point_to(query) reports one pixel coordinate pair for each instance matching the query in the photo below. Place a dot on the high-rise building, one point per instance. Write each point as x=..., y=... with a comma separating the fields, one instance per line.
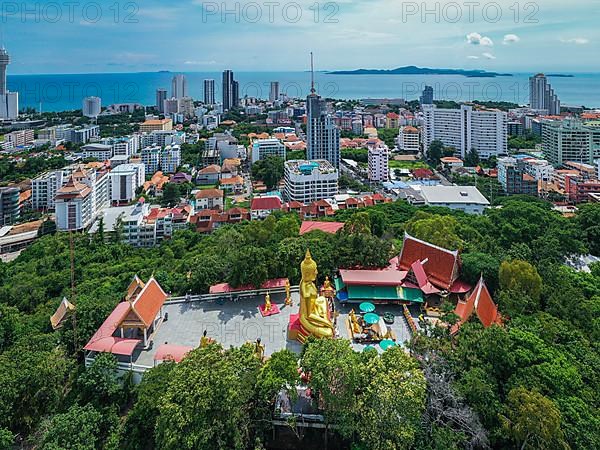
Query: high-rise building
x=91, y=107
x=570, y=140
x=209, y=92
x=161, y=96
x=231, y=91
x=378, y=158
x=542, y=96
x=10, y=209
x=9, y=101
x=179, y=87
x=274, y=91
x=467, y=128
x=309, y=181
x=322, y=136
x=427, y=96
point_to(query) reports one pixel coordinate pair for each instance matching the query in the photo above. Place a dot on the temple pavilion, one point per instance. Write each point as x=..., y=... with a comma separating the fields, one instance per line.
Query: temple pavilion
x=133, y=320
x=422, y=273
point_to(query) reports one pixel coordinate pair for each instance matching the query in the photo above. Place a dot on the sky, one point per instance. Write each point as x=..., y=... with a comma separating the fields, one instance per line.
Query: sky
x=274, y=35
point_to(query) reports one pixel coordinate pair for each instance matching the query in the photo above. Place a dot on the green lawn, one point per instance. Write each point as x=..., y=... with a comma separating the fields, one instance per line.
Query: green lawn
x=407, y=165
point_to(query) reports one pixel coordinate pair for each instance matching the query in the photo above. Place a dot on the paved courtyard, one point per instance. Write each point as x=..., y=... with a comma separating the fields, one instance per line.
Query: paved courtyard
x=233, y=323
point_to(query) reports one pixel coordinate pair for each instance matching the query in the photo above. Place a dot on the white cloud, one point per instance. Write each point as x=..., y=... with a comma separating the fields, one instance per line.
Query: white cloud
x=577, y=41
x=478, y=39
x=511, y=39
x=200, y=63
x=488, y=56
x=472, y=57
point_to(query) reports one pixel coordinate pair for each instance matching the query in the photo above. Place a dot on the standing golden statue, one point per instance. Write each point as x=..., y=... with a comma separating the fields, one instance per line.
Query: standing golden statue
x=267, y=306
x=314, y=310
x=288, y=296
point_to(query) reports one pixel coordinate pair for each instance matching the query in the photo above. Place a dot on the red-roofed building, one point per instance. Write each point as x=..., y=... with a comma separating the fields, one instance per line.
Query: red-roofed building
x=262, y=207
x=132, y=322
x=225, y=288
x=441, y=266
x=480, y=301
x=327, y=227
x=422, y=174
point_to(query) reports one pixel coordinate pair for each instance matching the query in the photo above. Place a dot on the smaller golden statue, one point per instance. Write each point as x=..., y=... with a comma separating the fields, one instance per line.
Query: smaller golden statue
x=288, y=297
x=327, y=284
x=356, y=329
x=268, y=305
x=259, y=349
x=204, y=340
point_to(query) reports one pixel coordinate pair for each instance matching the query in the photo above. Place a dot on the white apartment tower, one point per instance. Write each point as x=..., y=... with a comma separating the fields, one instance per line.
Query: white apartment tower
x=9, y=101
x=470, y=127
x=378, y=158
x=91, y=107
x=179, y=86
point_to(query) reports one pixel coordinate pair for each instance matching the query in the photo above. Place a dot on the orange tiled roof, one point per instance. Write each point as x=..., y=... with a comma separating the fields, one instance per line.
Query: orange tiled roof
x=209, y=193
x=441, y=266
x=480, y=301
x=149, y=301
x=233, y=180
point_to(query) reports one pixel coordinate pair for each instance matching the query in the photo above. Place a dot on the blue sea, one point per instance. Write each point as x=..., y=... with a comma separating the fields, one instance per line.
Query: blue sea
x=65, y=91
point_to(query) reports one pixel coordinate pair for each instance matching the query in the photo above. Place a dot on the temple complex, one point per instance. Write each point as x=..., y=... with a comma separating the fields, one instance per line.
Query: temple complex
x=423, y=273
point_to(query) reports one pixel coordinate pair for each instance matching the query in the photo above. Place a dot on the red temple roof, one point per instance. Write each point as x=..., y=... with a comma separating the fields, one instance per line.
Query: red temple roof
x=382, y=277
x=103, y=340
x=223, y=288
x=328, y=227
x=266, y=203
x=482, y=303
x=149, y=301
x=440, y=265
x=170, y=352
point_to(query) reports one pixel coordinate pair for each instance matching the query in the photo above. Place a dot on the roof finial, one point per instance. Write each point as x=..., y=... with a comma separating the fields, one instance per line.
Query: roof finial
x=312, y=75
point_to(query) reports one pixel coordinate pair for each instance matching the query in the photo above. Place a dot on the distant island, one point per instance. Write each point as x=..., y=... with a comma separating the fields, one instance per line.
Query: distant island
x=413, y=70
x=560, y=75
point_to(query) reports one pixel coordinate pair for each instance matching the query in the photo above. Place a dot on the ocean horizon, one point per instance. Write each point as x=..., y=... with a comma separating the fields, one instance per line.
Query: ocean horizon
x=59, y=92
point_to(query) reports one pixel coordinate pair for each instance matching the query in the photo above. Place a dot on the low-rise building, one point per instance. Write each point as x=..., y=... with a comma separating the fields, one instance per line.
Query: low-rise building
x=233, y=185
x=514, y=179
x=156, y=125
x=99, y=152
x=261, y=148
x=462, y=198
x=262, y=207
x=209, y=175
x=409, y=140
x=209, y=199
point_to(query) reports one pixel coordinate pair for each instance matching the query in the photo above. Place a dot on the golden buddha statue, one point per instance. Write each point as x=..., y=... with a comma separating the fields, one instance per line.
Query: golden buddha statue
x=356, y=328
x=259, y=349
x=267, y=306
x=314, y=310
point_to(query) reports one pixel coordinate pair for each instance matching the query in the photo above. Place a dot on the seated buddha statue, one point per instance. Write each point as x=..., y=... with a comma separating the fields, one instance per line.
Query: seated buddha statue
x=314, y=310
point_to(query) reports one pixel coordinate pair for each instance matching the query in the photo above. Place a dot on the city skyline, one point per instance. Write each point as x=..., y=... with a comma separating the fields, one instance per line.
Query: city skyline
x=511, y=38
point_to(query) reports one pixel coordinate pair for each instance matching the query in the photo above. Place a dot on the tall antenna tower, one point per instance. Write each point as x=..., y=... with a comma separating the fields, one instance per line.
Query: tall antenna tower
x=312, y=75
x=73, y=293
